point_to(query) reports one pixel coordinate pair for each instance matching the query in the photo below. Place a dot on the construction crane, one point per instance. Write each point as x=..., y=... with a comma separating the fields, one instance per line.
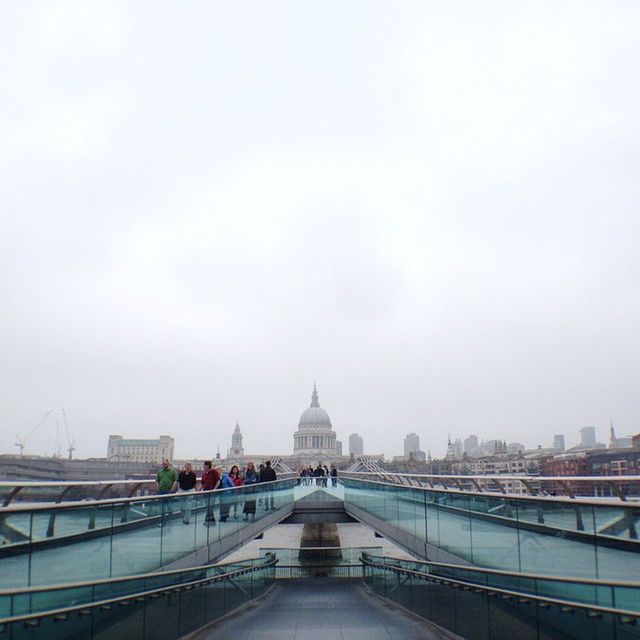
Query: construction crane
x=71, y=444
x=21, y=442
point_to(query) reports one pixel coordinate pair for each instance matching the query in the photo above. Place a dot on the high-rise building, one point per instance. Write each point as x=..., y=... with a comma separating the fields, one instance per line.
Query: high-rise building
x=471, y=447
x=411, y=445
x=558, y=442
x=356, y=445
x=515, y=447
x=338, y=447
x=588, y=437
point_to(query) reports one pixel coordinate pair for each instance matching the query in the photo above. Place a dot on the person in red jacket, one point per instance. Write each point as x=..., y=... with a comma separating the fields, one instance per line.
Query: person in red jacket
x=209, y=482
x=238, y=481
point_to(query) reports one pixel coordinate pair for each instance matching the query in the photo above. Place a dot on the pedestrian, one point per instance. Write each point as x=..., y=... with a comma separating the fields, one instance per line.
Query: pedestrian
x=268, y=474
x=238, y=481
x=250, y=480
x=334, y=476
x=319, y=474
x=167, y=482
x=186, y=484
x=210, y=481
x=260, y=470
x=226, y=497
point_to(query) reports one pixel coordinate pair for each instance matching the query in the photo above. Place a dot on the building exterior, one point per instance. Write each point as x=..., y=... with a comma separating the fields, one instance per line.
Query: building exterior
x=588, y=437
x=21, y=468
x=138, y=450
x=356, y=445
x=558, y=443
x=471, y=446
x=411, y=445
x=566, y=464
x=619, y=443
x=315, y=437
x=236, y=451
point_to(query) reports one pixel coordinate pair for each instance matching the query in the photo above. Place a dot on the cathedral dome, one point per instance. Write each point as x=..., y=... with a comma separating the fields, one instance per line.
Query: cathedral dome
x=315, y=417
x=314, y=435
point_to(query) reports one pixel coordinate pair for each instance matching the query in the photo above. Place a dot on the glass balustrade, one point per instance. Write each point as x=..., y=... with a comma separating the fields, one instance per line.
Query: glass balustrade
x=162, y=607
x=558, y=536
x=70, y=542
x=491, y=606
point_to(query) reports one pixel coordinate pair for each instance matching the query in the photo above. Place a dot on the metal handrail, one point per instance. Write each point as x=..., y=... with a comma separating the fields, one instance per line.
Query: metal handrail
x=64, y=611
x=458, y=490
x=498, y=476
x=76, y=504
x=522, y=597
x=513, y=574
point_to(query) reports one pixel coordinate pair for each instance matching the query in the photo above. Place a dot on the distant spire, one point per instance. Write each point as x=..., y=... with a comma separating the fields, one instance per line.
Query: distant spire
x=314, y=397
x=613, y=441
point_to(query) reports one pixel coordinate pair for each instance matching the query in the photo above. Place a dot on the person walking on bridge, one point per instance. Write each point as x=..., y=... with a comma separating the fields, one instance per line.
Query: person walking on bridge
x=209, y=482
x=187, y=484
x=268, y=474
x=251, y=478
x=167, y=482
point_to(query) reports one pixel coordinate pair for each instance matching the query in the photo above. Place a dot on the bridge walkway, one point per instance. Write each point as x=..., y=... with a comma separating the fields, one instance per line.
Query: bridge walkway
x=331, y=609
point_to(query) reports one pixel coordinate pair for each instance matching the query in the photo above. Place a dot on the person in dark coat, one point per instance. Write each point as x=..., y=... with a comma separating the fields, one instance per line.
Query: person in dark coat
x=268, y=474
x=251, y=478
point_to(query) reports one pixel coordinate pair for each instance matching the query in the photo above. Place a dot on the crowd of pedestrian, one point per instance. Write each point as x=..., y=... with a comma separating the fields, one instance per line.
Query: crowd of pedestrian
x=214, y=478
x=320, y=475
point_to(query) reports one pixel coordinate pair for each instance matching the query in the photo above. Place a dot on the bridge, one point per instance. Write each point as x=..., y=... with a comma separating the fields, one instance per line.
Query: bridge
x=109, y=559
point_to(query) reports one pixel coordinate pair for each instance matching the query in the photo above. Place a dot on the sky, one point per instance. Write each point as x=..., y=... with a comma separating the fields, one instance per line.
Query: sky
x=430, y=209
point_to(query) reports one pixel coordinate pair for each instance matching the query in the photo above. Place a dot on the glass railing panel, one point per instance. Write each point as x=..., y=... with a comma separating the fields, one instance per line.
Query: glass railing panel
x=432, y=522
x=193, y=610
x=553, y=623
x=115, y=589
x=162, y=617
x=178, y=528
x=14, y=557
x=409, y=506
x=557, y=555
x=443, y=606
x=237, y=591
x=118, y=622
x=421, y=595
x=454, y=527
x=57, y=563
x=472, y=618
x=617, y=550
x=15, y=528
x=507, y=620
x=627, y=598
x=215, y=597
x=46, y=600
x=74, y=626
x=494, y=543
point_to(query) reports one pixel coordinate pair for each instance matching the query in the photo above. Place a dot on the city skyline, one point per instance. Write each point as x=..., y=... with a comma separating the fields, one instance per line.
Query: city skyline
x=229, y=436
x=432, y=212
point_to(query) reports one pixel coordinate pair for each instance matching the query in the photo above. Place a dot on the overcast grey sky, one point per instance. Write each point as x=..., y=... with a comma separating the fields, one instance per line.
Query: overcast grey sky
x=430, y=208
